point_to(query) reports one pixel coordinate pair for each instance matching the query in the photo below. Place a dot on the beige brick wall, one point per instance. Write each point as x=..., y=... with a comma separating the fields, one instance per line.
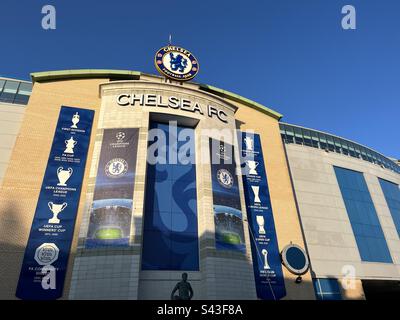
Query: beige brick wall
x=222, y=275
x=21, y=184
x=11, y=116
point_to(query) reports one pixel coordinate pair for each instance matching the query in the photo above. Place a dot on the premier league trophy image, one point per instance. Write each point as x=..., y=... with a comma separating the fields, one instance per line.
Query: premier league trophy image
x=56, y=209
x=75, y=120
x=63, y=176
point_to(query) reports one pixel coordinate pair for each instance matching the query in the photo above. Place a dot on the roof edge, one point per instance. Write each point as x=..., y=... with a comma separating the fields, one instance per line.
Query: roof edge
x=83, y=74
x=135, y=75
x=235, y=97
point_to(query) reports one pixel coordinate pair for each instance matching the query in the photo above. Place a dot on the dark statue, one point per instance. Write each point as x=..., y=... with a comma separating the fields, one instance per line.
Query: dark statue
x=184, y=289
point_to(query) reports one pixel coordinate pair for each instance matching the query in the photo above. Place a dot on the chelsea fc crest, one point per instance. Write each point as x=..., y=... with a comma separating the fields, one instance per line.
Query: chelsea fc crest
x=176, y=63
x=116, y=168
x=225, y=178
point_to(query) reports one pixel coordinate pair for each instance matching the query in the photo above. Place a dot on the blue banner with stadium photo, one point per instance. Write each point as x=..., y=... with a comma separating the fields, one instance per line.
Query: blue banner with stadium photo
x=111, y=210
x=229, y=234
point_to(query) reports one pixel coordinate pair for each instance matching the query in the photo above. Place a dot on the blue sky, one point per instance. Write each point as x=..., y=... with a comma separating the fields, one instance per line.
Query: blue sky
x=290, y=55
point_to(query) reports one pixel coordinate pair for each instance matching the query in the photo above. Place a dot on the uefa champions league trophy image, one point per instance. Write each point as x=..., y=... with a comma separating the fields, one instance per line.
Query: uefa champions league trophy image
x=56, y=209
x=249, y=143
x=63, y=176
x=70, y=144
x=75, y=120
x=264, y=252
x=260, y=222
x=252, y=166
x=256, y=190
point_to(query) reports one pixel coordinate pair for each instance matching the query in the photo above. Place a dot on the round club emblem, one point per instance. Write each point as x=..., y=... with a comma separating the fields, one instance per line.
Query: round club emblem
x=295, y=259
x=176, y=63
x=46, y=253
x=116, y=168
x=225, y=178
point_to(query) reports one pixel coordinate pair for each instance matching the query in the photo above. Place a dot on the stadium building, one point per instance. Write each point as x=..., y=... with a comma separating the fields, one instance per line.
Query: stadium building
x=120, y=181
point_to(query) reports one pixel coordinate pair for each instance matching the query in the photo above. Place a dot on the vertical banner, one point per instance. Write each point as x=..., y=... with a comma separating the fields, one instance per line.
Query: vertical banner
x=46, y=254
x=267, y=266
x=229, y=234
x=111, y=211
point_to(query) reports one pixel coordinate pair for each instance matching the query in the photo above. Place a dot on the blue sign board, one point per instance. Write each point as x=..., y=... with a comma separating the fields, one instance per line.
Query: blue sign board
x=111, y=212
x=229, y=234
x=170, y=231
x=46, y=254
x=267, y=266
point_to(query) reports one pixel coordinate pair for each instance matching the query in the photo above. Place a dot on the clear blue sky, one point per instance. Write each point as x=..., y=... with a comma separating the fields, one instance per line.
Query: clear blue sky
x=290, y=55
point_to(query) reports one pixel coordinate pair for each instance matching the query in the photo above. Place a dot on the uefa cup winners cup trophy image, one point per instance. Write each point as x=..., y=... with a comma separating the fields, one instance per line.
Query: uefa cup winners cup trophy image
x=249, y=143
x=56, y=209
x=260, y=222
x=70, y=144
x=75, y=120
x=252, y=166
x=264, y=252
x=63, y=176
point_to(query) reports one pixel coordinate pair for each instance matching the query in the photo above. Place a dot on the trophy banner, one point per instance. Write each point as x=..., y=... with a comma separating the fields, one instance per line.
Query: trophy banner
x=47, y=251
x=111, y=210
x=267, y=266
x=229, y=234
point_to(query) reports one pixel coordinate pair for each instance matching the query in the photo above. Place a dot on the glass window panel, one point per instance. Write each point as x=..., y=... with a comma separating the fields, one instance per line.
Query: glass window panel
x=11, y=86
x=21, y=99
x=25, y=89
x=362, y=215
x=2, y=85
x=391, y=192
x=307, y=137
x=289, y=131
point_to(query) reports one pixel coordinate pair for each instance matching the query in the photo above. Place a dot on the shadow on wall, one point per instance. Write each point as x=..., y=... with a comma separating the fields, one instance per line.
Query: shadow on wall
x=222, y=271
x=13, y=233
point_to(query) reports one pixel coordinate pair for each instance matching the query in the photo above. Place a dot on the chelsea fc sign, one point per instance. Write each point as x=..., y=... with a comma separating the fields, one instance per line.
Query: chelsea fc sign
x=176, y=63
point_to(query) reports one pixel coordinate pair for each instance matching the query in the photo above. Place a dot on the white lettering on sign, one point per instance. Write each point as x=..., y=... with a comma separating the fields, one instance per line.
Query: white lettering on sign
x=153, y=100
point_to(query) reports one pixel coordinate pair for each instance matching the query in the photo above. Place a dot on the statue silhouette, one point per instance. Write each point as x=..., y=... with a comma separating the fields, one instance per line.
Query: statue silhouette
x=184, y=288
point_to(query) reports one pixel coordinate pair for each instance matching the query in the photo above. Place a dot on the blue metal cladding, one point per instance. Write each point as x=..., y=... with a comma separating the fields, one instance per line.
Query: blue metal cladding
x=364, y=221
x=170, y=238
x=327, y=289
x=392, y=196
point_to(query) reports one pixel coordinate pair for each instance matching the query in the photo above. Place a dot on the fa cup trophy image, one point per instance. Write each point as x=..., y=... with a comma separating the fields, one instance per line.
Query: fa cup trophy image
x=63, y=176
x=252, y=166
x=56, y=209
x=260, y=222
x=75, y=120
x=70, y=144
